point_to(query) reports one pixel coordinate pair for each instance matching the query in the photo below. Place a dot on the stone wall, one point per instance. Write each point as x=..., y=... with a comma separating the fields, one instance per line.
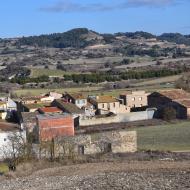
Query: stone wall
x=119, y=118
x=115, y=142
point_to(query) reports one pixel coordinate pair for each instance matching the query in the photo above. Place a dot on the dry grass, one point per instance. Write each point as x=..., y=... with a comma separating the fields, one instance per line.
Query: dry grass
x=161, y=80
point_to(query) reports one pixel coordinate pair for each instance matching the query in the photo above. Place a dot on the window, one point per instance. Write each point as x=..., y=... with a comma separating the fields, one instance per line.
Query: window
x=140, y=98
x=114, y=105
x=133, y=99
x=5, y=139
x=107, y=147
x=81, y=149
x=102, y=105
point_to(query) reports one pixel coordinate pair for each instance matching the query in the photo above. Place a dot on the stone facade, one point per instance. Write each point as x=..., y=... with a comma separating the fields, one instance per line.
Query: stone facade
x=135, y=99
x=115, y=142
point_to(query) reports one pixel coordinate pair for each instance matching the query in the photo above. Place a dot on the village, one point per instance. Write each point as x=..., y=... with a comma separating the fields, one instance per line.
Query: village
x=55, y=117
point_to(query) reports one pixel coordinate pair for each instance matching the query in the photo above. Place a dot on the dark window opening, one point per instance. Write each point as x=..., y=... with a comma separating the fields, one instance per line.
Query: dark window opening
x=81, y=150
x=107, y=147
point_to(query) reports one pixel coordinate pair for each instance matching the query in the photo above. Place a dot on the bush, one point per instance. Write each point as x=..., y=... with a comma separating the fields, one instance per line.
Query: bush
x=169, y=113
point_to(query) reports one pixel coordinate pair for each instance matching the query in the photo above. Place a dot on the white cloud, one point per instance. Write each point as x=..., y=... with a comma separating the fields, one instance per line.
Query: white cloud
x=72, y=6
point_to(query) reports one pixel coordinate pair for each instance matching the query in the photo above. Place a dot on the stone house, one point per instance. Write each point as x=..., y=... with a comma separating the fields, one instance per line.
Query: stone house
x=134, y=99
x=78, y=99
x=106, y=104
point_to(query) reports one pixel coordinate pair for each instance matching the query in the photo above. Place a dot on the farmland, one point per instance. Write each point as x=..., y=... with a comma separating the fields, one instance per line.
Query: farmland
x=49, y=72
x=171, y=137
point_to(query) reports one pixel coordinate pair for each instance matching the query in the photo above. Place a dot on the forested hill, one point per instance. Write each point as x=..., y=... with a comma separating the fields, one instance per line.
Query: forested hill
x=82, y=37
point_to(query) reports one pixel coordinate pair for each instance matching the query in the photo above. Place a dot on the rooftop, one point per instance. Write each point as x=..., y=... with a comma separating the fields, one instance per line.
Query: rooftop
x=69, y=107
x=36, y=106
x=134, y=92
x=185, y=103
x=105, y=99
x=52, y=116
x=50, y=110
x=2, y=103
x=33, y=98
x=77, y=96
x=176, y=94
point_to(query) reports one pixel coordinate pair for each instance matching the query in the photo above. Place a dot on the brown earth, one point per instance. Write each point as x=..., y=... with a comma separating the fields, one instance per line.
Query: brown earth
x=158, y=174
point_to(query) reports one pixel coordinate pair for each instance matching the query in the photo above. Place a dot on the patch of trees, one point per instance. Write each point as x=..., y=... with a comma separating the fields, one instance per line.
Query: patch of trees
x=139, y=34
x=110, y=77
x=184, y=82
x=15, y=70
x=91, y=78
x=176, y=38
x=168, y=114
x=24, y=80
x=73, y=38
x=148, y=74
x=108, y=38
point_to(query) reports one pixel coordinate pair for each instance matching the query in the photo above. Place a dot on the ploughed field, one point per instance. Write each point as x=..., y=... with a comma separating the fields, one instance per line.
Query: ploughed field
x=133, y=175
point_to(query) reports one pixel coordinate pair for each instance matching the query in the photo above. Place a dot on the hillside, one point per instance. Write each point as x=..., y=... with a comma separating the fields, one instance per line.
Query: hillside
x=82, y=37
x=78, y=38
x=80, y=52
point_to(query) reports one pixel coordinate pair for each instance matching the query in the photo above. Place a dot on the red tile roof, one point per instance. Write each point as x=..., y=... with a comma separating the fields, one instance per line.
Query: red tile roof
x=50, y=110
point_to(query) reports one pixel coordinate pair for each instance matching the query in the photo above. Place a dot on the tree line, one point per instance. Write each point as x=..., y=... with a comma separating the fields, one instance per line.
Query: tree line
x=103, y=77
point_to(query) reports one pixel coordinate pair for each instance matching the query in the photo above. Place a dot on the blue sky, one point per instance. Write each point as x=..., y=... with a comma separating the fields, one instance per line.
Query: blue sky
x=34, y=17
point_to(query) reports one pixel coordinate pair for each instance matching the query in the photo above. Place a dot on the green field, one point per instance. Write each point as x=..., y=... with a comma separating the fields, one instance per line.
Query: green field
x=173, y=137
x=36, y=92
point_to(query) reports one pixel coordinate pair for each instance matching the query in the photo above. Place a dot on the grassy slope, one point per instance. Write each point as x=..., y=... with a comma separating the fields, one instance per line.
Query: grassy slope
x=174, y=137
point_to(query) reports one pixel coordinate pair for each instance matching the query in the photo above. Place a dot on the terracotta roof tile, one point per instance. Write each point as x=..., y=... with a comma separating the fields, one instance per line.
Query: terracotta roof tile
x=50, y=110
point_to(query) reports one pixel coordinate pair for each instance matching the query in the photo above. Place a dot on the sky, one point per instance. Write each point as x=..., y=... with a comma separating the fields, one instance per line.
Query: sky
x=35, y=17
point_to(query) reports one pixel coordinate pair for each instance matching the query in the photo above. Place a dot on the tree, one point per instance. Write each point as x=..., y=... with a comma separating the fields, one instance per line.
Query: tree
x=169, y=113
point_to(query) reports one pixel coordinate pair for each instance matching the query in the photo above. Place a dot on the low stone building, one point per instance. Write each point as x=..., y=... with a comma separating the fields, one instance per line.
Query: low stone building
x=115, y=142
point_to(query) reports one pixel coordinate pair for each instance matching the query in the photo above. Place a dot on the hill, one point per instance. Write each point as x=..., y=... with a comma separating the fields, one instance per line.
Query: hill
x=83, y=37
x=78, y=38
